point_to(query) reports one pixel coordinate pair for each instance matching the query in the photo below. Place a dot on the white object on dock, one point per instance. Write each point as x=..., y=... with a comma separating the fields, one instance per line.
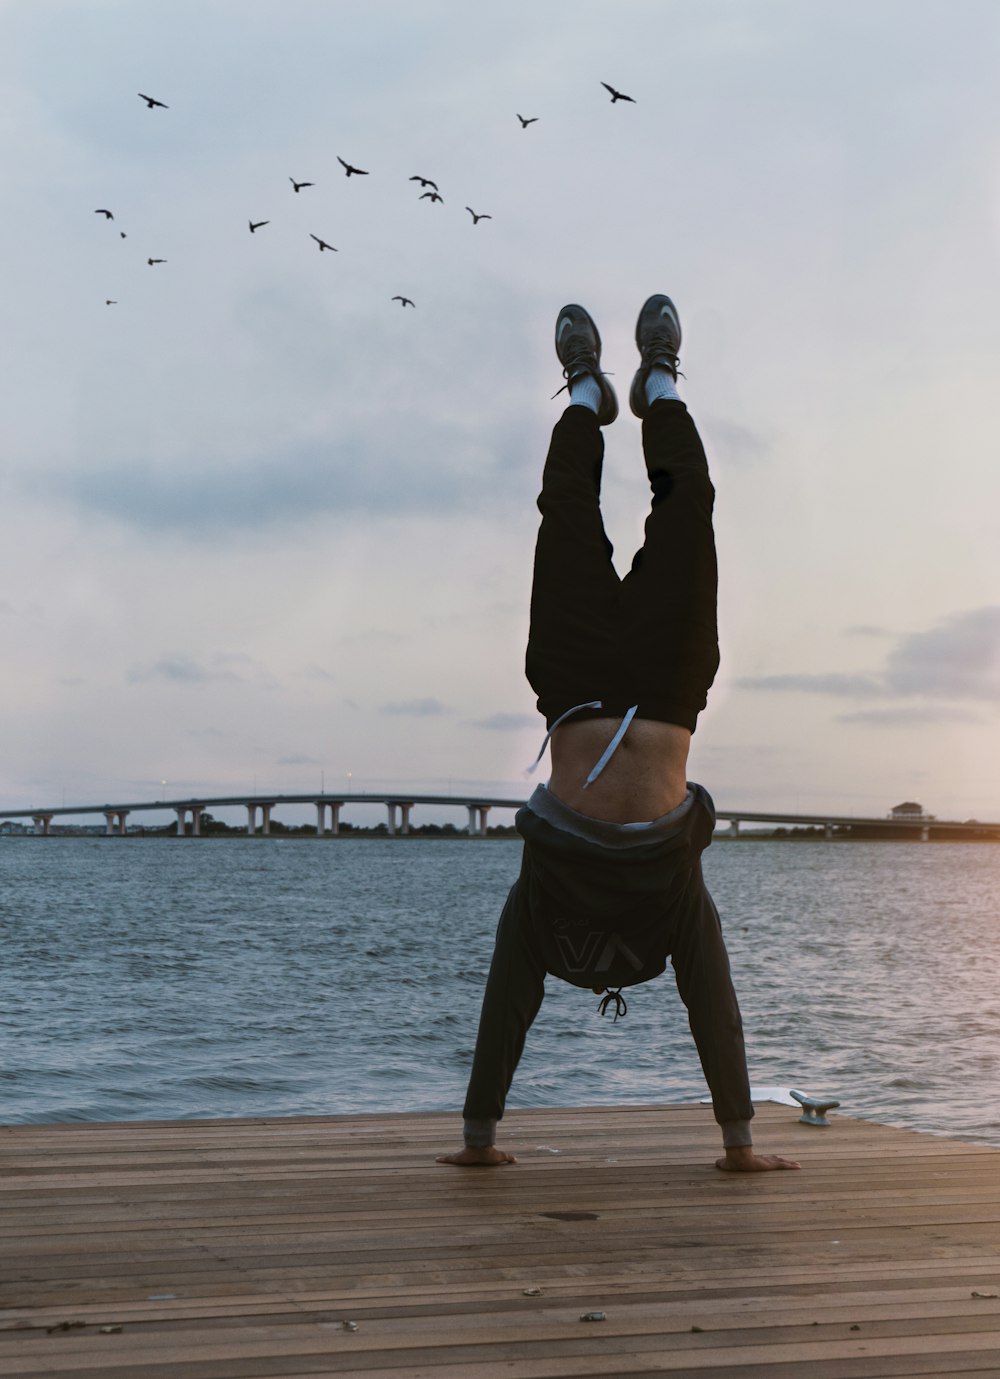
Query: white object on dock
x=813, y=1108
x=782, y=1096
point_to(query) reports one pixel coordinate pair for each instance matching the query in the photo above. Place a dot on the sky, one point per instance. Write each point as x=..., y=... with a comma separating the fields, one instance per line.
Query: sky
x=262, y=527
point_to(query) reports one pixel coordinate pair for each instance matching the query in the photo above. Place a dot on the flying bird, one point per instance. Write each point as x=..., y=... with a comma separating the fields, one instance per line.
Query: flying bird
x=617, y=95
x=425, y=182
x=256, y=224
x=349, y=169
x=322, y=243
x=532, y=119
x=150, y=102
x=432, y=196
x=152, y=261
x=477, y=218
x=123, y=234
x=109, y=302
x=405, y=300
x=101, y=211
x=299, y=185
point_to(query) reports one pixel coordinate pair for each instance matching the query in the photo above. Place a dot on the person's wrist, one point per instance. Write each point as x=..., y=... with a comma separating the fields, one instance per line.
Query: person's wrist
x=480, y=1132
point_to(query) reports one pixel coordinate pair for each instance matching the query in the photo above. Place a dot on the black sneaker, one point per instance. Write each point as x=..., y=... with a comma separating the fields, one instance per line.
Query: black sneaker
x=578, y=346
x=658, y=336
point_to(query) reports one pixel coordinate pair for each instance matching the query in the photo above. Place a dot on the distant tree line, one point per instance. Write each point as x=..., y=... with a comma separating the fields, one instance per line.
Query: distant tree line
x=969, y=832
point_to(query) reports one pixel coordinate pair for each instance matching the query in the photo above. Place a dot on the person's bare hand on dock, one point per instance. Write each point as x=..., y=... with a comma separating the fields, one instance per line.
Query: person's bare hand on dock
x=486, y=1157
x=744, y=1160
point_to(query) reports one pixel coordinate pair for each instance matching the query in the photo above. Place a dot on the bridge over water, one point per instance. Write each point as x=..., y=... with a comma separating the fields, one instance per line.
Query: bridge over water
x=398, y=812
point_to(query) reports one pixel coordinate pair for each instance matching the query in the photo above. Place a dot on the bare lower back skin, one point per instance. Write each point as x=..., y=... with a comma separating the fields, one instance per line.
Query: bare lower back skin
x=646, y=776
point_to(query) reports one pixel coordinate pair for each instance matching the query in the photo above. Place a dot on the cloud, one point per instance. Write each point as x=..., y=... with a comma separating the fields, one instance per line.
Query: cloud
x=178, y=668
x=507, y=722
x=32, y=610
x=835, y=682
x=371, y=637
x=959, y=658
x=417, y=708
x=734, y=440
x=298, y=760
x=752, y=751
x=175, y=667
x=326, y=415
x=356, y=473
x=910, y=716
x=318, y=672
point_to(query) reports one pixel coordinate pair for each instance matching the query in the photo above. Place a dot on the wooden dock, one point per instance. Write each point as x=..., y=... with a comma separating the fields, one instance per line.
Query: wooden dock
x=235, y=1248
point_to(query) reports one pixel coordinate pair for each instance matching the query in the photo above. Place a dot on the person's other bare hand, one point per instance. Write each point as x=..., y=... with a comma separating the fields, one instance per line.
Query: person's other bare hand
x=744, y=1160
x=486, y=1157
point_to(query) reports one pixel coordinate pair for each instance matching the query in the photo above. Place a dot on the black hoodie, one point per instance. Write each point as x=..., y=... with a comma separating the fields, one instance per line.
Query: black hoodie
x=607, y=916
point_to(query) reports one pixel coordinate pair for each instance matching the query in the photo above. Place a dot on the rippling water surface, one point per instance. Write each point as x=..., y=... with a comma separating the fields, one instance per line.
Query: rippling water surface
x=161, y=978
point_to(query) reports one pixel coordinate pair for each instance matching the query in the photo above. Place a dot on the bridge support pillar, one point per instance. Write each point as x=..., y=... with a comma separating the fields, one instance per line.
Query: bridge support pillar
x=473, y=811
x=181, y=821
x=828, y=831
x=251, y=820
x=484, y=809
x=265, y=816
x=404, y=810
x=43, y=824
x=196, y=813
x=115, y=821
x=925, y=834
x=321, y=808
x=391, y=811
x=734, y=827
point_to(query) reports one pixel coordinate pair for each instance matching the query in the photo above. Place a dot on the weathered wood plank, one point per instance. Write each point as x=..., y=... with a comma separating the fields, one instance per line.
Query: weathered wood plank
x=256, y=1238
x=336, y=1352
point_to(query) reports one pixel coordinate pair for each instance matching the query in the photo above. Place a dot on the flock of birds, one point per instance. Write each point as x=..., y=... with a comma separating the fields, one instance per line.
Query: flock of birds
x=350, y=170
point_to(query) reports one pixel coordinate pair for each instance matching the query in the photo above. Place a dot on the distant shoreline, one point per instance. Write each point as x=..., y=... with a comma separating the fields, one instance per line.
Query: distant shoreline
x=447, y=832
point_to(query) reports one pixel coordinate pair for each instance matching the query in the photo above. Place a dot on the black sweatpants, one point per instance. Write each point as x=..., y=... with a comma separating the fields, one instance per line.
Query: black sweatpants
x=650, y=638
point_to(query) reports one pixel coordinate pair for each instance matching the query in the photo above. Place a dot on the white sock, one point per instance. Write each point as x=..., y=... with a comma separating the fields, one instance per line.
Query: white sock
x=660, y=383
x=585, y=391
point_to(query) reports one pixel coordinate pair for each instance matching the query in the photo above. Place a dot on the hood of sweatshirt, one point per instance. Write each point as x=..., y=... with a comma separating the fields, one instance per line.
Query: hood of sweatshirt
x=605, y=914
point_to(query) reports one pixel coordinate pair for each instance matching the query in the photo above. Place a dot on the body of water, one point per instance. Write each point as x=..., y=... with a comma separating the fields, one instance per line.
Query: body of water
x=159, y=978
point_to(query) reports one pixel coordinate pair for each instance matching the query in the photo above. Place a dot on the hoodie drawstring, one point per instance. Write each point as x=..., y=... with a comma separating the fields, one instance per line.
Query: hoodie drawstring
x=620, y=1007
x=609, y=751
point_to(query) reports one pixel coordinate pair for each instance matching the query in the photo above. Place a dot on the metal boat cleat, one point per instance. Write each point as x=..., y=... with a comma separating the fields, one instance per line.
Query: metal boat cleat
x=813, y=1108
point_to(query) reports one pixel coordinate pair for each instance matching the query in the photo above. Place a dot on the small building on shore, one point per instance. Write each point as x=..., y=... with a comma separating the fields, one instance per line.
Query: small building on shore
x=909, y=809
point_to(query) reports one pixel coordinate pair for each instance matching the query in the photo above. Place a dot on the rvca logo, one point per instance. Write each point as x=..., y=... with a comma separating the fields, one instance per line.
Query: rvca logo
x=593, y=952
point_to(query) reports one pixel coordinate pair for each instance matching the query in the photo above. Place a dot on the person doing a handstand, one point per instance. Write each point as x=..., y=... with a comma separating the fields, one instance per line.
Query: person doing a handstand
x=611, y=884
